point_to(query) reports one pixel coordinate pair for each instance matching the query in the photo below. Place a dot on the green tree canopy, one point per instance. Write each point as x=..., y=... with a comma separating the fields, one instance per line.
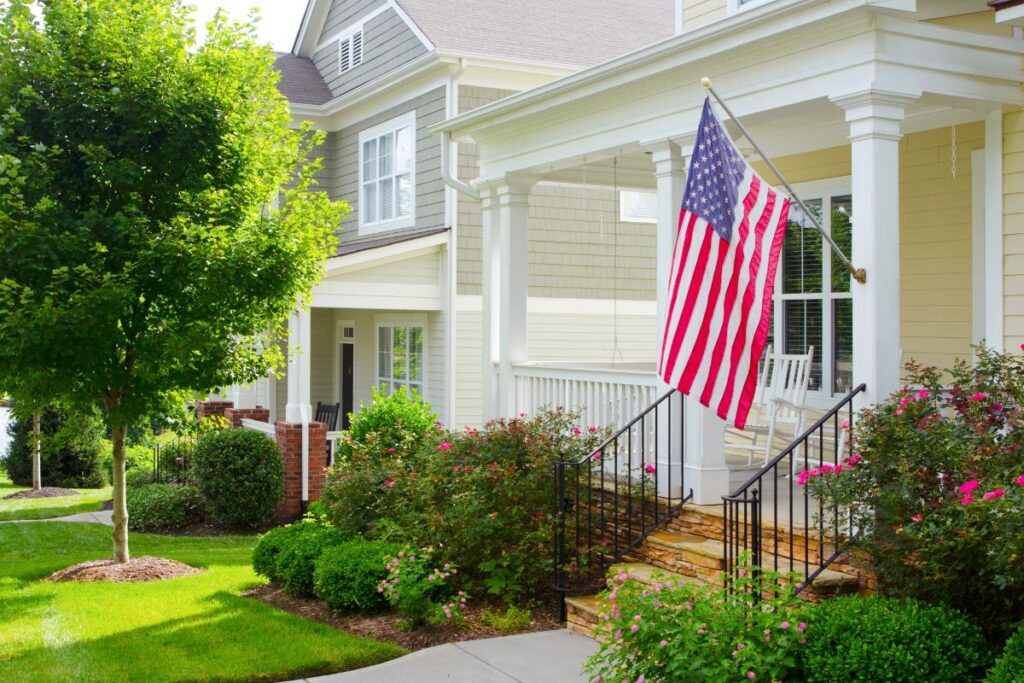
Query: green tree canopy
x=142, y=251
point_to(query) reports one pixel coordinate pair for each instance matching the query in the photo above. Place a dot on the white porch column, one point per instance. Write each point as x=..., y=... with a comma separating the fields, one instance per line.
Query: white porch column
x=874, y=119
x=299, y=336
x=505, y=206
x=243, y=395
x=994, y=230
x=702, y=448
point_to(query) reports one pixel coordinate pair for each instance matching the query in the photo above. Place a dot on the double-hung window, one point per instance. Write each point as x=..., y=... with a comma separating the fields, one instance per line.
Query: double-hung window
x=813, y=302
x=387, y=161
x=400, y=357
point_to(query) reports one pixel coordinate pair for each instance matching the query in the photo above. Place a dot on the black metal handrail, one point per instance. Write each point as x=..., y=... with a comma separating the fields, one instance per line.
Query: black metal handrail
x=744, y=513
x=609, y=501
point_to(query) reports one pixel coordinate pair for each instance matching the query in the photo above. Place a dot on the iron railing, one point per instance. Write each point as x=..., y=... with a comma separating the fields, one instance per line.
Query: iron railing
x=608, y=502
x=172, y=461
x=800, y=537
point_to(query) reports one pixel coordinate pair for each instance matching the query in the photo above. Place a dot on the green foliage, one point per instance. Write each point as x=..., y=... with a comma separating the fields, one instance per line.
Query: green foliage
x=514, y=620
x=875, y=640
x=418, y=586
x=1009, y=667
x=71, y=443
x=264, y=555
x=240, y=474
x=348, y=576
x=936, y=490
x=298, y=552
x=482, y=498
x=679, y=630
x=138, y=461
x=164, y=507
x=391, y=426
x=175, y=459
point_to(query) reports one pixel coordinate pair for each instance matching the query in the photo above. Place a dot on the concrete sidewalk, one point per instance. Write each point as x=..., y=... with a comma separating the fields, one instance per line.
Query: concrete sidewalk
x=544, y=657
x=98, y=517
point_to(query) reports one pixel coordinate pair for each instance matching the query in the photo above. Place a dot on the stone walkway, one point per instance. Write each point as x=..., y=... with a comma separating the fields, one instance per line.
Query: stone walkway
x=544, y=657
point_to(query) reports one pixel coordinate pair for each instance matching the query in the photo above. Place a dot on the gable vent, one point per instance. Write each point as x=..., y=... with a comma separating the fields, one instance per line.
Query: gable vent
x=350, y=51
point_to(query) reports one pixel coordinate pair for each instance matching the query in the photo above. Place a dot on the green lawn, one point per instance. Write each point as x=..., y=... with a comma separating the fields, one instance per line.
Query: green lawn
x=90, y=500
x=194, y=628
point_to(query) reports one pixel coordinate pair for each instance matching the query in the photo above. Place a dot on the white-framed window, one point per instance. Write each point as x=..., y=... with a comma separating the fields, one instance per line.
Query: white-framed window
x=387, y=175
x=638, y=207
x=350, y=49
x=401, y=355
x=813, y=303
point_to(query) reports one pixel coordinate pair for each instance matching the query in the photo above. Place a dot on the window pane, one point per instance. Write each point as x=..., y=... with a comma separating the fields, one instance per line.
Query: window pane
x=370, y=202
x=416, y=354
x=404, y=196
x=842, y=211
x=387, y=199
x=801, y=253
x=386, y=156
x=370, y=160
x=400, y=354
x=802, y=324
x=403, y=150
x=384, y=345
x=842, y=340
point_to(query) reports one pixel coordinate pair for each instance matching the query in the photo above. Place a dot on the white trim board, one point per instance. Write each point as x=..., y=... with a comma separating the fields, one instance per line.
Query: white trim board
x=559, y=306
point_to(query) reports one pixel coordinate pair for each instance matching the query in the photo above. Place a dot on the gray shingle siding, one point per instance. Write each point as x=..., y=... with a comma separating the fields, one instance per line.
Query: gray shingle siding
x=388, y=43
x=344, y=12
x=430, y=188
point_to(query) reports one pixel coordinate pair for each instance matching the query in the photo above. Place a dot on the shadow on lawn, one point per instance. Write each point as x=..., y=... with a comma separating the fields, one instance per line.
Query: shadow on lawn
x=236, y=639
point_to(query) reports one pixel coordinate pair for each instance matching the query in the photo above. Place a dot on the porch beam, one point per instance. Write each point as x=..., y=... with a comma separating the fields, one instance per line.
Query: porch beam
x=505, y=213
x=875, y=117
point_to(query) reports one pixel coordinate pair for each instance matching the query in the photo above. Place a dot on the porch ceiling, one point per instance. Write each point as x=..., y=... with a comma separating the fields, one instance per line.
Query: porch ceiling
x=795, y=52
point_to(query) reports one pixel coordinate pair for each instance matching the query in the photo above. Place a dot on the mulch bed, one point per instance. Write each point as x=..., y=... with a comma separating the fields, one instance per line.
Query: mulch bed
x=384, y=626
x=139, y=569
x=45, y=492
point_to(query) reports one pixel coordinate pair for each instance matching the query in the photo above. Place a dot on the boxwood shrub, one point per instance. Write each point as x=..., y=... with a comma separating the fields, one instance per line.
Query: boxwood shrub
x=1010, y=666
x=347, y=576
x=164, y=507
x=287, y=556
x=240, y=474
x=876, y=640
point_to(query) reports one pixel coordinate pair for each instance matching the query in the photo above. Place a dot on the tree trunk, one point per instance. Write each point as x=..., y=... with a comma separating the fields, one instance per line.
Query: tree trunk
x=37, y=458
x=120, y=507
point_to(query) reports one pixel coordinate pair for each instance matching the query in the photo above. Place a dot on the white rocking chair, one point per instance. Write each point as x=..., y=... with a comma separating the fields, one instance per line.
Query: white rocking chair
x=779, y=401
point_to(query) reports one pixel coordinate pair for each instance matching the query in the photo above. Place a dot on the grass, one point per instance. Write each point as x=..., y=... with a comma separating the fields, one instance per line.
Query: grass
x=90, y=500
x=196, y=628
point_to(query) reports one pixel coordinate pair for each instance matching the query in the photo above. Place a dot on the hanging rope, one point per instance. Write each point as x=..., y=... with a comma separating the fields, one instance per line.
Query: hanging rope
x=616, y=351
x=952, y=147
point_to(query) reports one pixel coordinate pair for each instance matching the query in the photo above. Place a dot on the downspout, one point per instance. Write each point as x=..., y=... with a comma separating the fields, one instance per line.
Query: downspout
x=446, y=137
x=304, y=419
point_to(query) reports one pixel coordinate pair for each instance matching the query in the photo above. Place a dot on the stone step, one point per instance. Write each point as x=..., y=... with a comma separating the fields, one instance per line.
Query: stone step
x=581, y=614
x=686, y=554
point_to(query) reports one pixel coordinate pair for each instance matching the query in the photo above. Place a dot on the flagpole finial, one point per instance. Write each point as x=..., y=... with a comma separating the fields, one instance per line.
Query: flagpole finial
x=706, y=82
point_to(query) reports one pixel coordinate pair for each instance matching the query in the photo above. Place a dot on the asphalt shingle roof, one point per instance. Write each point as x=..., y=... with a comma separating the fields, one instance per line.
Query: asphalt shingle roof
x=301, y=82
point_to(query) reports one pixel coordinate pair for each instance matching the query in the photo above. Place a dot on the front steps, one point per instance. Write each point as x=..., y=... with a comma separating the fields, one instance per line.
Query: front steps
x=690, y=548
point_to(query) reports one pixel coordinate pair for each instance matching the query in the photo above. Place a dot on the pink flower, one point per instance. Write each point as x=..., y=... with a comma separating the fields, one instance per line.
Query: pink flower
x=924, y=393
x=389, y=483
x=649, y=468
x=827, y=468
x=917, y=518
x=784, y=624
x=993, y=494
x=596, y=456
x=751, y=675
x=663, y=643
x=845, y=424
x=1019, y=481
x=852, y=460
x=592, y=429
x=391, y=450
x=967, y=500
x=980, y=396
x=967, y=487
x=456, y=468
x=444, y=446
x=801, y=627
x=577, y=431
x=634, y=628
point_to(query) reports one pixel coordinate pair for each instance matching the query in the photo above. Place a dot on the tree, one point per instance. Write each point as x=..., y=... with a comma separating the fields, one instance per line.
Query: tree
x=141, y=249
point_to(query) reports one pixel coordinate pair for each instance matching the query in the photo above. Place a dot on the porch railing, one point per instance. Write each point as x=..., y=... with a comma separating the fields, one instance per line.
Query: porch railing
x=604, y=396
x=775, y=519
x=608, y=501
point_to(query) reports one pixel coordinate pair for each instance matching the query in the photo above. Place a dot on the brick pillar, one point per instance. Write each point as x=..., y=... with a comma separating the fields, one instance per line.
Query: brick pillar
x=206, y=409
x=236, y=415
x=289, y=440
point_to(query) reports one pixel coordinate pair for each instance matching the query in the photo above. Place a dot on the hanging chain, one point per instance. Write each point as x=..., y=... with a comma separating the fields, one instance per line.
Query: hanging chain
x=952, y=147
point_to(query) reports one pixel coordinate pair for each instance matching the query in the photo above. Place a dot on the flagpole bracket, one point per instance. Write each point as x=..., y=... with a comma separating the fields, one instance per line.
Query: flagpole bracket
x=859, y=274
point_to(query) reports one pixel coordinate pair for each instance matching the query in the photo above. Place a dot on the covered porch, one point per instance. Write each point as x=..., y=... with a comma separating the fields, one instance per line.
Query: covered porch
x=891, y=129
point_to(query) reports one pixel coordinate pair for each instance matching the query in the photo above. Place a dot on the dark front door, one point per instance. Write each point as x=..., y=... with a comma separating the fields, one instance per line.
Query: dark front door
x=347, y=363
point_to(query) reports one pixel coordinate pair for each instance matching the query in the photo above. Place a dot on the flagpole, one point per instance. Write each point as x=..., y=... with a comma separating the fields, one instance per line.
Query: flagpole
x=857, y=274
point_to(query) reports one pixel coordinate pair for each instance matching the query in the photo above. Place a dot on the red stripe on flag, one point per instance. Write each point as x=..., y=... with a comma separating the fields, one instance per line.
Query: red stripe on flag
x=691, y=296
x=697, y=352
x=677, y=272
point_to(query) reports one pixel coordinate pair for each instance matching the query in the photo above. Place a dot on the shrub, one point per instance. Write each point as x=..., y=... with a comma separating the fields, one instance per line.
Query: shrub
x=885, y=639
x=1009, y=667
x=348, y=576
x=71, y=443
x=514, y=620
x=392, y=425
x=164, y=507
x=241, y=477
x=264, y=555
x=687, y=631
x=139, y=476
x=298, y=553
x=418, y=587
x=137, y=460
x=936, y=489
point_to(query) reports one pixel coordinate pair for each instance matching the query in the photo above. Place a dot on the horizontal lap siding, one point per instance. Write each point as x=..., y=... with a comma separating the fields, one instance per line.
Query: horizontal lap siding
x=321, y=356
x=697, y=13
x=435, y=375
x=344, y=12
x=468, y=366
x=1013, y=229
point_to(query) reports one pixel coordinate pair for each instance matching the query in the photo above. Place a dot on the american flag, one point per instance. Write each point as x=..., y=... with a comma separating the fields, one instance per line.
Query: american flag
x=731, y=228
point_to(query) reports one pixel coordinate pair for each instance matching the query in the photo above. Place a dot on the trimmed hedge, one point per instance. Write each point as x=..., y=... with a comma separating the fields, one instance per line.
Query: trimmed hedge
x=240, y=474
x=287, y=555
x=884, y=640
x=1010, y=666
x=164, y=507
x=347, y=576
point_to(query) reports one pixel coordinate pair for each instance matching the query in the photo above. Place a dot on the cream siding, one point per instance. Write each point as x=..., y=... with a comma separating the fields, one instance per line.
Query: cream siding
x=697, y=13
x=469, y=393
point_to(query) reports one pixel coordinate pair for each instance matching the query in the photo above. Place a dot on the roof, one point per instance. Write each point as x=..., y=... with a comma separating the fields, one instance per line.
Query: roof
x=301, y=81
x=346, y=249
x=575, y=32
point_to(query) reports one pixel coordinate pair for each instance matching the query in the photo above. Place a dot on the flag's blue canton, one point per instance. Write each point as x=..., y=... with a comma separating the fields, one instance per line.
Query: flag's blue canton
x=717, y=168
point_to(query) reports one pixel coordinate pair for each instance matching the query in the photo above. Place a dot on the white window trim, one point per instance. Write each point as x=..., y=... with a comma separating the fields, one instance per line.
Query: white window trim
x=379, y=226
x=405, y=320
x=809, y=191
x=339, y=339
x=735, y=6
x=623, y=209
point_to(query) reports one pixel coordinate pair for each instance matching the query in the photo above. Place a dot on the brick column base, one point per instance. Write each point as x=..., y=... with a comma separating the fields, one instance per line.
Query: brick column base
x=289, y=440
x=206, y=409
x=236, y=415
